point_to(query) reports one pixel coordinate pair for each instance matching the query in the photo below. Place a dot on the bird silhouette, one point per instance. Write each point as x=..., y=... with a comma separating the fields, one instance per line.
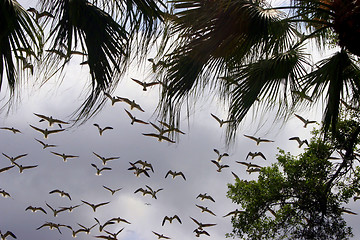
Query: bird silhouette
x=102, y=226
x=13, y=159
x=132, y=103
x=199, y=232
x=38, y=14
x=112, y=99
x=205, y=209
x=101, y=130
x=61, y=193
x=300, y=142
x=161, y=131
x=248, y=164
x=138, y=171
x=202, y=225
x=255, y=154
x=87, y=229
x=75, y=232
x=71, y=208
x=145, y=165
x=305, y=121
x=160, y=235
x=51, y=120
x=170, y=219
x=113, y=191
x=153, y=192
x=219, y=166
x=51, y=226
x=143, y=191
x=64, y=156
x=134, y=119
x=174, y=174
x=14, y=130
x=144, y=84
x=95, y=206
x=159, y=137
x=221, y=121
x=205, y=196
x=22, y=168
x=171, y=128
x=35, y=209
x=119, y=219
x=251, y=170
x=47, y=132
x=220, y=155
x=104, y=159
x=114, y=235
x=258, y=140
x=7, y=234
x=99, y=170
x=234, y=213
x=4, y=193
x=45, y=145
x=302, y=95
x=55, y=211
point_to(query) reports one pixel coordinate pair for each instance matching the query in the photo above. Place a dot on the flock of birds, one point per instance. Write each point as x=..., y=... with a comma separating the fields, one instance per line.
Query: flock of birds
x=139, y=168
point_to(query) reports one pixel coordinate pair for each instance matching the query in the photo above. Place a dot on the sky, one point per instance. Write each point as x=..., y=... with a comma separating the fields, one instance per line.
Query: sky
x=192, y=154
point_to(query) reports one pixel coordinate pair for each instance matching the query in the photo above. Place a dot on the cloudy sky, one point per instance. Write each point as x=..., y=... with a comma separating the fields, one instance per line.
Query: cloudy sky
x=192, y=154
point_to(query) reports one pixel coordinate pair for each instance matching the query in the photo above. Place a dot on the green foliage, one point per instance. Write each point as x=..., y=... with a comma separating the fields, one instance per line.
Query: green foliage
x=297, y=197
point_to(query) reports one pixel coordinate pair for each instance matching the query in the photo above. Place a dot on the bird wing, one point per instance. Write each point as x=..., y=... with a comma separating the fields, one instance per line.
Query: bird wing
x=55, y=131
x=169, y=172
x=216, y=163
x=216, y=118
x=37, y=129
x=181, y=174
x=177, y=217
x=101, y=204
x=165, y=218
x=168, y=139
x=301, y=118
x=129, y=114
x=137, y=81
x=251, y=137
x=195, y=221
x=6, y=168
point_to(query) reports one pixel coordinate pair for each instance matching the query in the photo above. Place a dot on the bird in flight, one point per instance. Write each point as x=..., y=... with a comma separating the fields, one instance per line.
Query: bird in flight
x=98, y=170
x=254, y=169
x=255, y=154
x=132, y=103
x=61, y=193
x=249, y=164
x=46, y=132
x=50, y=119
x=160, y=235
x=7, y=234
x=101, y=130
x=174, y=174
x=144, y=84
x=202, y=225
x=45, y=145
x=220, y=155
x=134, y=119
x=219, y=166
x=171, y=128
x=170, y=219
x=22, y=168
x=205, y=209
x=205, y=196
x=258, y=140
x=4, y=193
x=113, y=191
x=302, y=95
x=35, y=209
x=119, y=219
x=13, y=159
x=138, y=171
x=159, y=137
x=305, y=121
x=95, y=206
x=71, y=208
x=112, y=99
x=51, y=226
x=145, y=165
x=14, y=130
x=87, y=229
x=144, y=191
x=235, y=212
x=300, y=142
x=153, y=193
x=221, y=121
x=101, y=227
x=199, y=232
x=55, y=211
x=38, y=14
x=64, y=156
x=104, y=159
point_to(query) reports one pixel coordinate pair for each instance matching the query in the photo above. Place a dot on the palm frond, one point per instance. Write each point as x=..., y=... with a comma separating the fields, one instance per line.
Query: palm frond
x=338, y=77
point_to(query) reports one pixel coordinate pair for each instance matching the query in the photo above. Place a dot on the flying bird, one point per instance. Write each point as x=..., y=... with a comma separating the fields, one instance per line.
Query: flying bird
x=71, y=208
x=104, y=159
x=153, y=193
x=55, y=211
x=38, y=14
x=221, y=121
x=95, y=206
x=22, y=168
x=132, y=103
x=51, y=120
x=205, y=209
x=98, y=170
x=202, y=225
x=138, y=171
x=251, y=170
x=4, y=193
x=7, y=234
x=35, y=209
x=134, y=119
x=170, y=219
x=160, y=235
x=219, y=166
x=102, y=226
x=144, y=191
x=145, y=165
x=14, y=130
x=46, y=132
x=45, y=145
x=220, y=155
x=61, y=193
x=205, y=196
x=159, y=137
x=235, y=213
x=112, y=99
x=199, y=232
x=113, y=191
x=305, y=121
x=302, y=95
x=161, y=131
x=101, y=130
x=171, y=128
x=249, y=164
x=144, y=84
x=119, y=219
x=87, y=229
x=13, y=159
x=51, y=226
x=64, y=156
x=258, y=140
x=255, y=154
x=174, y=174
x=301, y=142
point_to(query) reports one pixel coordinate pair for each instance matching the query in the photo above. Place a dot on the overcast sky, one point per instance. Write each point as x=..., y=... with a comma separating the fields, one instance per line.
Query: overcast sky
x=191, y=154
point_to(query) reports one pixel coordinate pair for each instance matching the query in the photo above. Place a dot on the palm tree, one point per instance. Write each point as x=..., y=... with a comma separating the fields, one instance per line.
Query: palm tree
x=106, y=33
x=253, y=54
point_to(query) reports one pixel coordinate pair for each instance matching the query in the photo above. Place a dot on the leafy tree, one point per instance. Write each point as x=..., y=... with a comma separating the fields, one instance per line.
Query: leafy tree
x=302, y=197
x=256, y=55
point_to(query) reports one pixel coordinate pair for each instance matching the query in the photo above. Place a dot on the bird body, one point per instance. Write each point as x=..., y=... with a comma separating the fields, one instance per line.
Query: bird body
x=255, y=154
x=46, y=131
x=4, y=193
x=14, y=130
x=101, y=130
x=170, y=219
x=104, y=159
x=205, y=209
x=50, y=119
x=45, y=145
x=95, y=206
x=64, y=156
x=61, y=193
x=113, y=191
x=258, y=140
x=221, y=121
x=301, y=142
x=205, y=196
x=160, y=235
x=305, y=121
x=220, y=166
x=174, y=174
x=144, y=84
x=145, y=165
x=99, y=170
